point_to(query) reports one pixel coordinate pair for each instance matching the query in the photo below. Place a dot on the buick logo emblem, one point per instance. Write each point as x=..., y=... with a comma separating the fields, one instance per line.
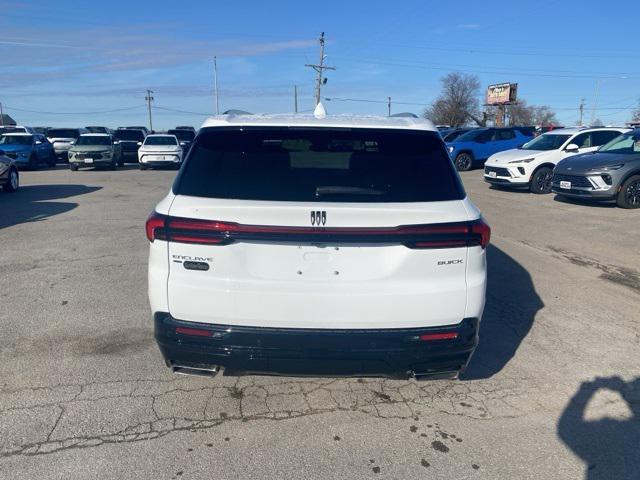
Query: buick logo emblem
x=318, y=217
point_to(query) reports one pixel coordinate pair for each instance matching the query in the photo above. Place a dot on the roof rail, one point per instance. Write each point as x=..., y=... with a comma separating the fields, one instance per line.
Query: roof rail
x=234, y=111
x=405, y=115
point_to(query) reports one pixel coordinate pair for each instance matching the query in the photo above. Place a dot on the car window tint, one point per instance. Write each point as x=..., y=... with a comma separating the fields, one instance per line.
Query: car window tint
x=583, y=140
x=505, y=135
x=319, y=165
x=602, y=137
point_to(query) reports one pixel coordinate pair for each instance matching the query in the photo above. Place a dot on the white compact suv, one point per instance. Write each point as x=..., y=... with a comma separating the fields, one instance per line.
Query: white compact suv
x=532, y=164
x=304, y=245
x=159, y=150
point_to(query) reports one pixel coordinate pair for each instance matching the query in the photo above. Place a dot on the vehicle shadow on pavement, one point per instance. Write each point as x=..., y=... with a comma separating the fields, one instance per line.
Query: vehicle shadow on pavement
x=609, y=446
x=511, y=306
x=587, y=202
x=33, y=202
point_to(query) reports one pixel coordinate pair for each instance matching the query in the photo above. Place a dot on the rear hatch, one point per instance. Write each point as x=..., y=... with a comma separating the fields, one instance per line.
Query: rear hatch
x=318, y=228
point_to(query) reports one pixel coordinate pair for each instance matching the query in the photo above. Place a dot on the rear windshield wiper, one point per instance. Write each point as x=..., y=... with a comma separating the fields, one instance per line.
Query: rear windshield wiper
x=340, y=190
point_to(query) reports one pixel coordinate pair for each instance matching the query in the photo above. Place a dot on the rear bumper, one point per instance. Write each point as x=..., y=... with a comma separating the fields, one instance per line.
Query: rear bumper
x=395, y=353
x=129, y=155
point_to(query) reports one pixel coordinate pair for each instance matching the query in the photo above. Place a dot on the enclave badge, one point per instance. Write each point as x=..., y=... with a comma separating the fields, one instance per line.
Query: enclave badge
x=318, y=217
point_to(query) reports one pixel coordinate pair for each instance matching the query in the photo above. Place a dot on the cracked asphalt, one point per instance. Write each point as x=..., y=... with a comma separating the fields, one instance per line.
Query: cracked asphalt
x=552, y=392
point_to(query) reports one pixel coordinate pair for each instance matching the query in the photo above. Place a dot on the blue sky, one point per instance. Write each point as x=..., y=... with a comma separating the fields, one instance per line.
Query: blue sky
x=100, y=57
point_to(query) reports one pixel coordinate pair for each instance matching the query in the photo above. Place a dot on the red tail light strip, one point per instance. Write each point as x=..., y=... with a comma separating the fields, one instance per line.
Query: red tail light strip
x=428, y=337
x=213, y=232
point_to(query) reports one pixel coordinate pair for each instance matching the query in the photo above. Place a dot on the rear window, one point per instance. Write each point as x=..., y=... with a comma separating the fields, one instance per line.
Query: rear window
x=130, y=135
x=93, y=140
x=319, y=165
x=164, y=140
x=63, y=133
x=183, y=135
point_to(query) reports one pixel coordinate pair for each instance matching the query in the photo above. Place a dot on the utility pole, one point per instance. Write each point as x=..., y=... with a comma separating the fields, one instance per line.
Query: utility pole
x=215, y=83
x=149, y=99
x=389, y=105
x=295, y=98
x=581, y=111
x=1, y=116
x=595, y=102
x=320, y=68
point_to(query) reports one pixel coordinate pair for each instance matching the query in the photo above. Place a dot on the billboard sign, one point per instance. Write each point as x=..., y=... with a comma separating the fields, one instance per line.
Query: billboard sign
x=502, y=93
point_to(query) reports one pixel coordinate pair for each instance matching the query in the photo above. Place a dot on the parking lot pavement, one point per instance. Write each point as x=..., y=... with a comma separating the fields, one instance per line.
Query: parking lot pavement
x=552, y=392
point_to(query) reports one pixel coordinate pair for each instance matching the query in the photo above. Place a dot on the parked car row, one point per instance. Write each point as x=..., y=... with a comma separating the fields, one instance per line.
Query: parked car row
x=95, y=146
x=476, y=146
x=599, y=163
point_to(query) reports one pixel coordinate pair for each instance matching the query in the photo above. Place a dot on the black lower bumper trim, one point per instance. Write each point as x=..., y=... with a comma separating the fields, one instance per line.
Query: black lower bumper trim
x=574, y=193
x=395, y=353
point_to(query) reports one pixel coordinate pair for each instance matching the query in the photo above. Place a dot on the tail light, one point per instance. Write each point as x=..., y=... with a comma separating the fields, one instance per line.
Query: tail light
x=214, y=232
x=155, y=226
x=430, y=337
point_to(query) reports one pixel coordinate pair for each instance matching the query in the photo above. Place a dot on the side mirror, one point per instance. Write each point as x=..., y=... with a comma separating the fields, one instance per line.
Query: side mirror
x=139, y=144
x=116, y=142
x=38, y=142
x=572, y=147
x=72, y=143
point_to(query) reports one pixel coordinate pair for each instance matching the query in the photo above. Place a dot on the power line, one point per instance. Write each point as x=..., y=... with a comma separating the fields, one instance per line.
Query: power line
x=478, y=69
x=416, y=104
x=7, y=107
x=175, y=110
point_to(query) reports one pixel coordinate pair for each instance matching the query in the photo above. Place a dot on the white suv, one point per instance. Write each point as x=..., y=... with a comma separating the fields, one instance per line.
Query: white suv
x=532, y=164
x=159, y=150
x=306, y=245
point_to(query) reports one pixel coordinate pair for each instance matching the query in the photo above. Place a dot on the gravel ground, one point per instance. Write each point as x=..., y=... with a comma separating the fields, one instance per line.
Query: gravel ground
x=552, y=392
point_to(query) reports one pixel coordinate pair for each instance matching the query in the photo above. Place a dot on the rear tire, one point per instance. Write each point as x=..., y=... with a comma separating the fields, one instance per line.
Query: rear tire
x=143, y=166
x=13, y=183
x=73, y=168
x=464, y=162
x=541, y=181
x=629, y=194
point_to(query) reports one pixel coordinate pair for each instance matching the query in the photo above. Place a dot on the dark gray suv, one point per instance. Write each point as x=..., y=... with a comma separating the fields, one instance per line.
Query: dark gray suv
x=611, y=173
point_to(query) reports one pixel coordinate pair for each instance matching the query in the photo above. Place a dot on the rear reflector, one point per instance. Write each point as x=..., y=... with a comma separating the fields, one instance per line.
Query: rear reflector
x=214, y=232
x=194, y=332
x=427, y=337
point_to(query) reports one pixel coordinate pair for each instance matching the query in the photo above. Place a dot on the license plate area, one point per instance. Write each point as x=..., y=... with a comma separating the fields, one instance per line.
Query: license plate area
x=566, y=185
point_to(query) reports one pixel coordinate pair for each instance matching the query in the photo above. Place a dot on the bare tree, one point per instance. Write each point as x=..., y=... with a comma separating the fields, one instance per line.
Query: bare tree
x=543, y=115
x=635, y=116
x=521, y=113
x=458, y=102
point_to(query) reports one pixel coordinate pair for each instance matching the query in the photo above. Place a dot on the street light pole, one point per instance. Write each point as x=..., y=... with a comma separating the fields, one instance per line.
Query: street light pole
x=215, y=83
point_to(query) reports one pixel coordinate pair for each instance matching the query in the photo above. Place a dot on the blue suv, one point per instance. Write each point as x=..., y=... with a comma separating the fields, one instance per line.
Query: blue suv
x=28, y=150
x=475, y=146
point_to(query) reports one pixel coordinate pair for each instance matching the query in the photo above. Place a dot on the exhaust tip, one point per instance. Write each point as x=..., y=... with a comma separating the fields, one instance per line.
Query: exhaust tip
x=194, y=369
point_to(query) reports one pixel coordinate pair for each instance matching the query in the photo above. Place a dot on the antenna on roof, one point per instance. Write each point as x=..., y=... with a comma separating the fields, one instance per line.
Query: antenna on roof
x=320, y=112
